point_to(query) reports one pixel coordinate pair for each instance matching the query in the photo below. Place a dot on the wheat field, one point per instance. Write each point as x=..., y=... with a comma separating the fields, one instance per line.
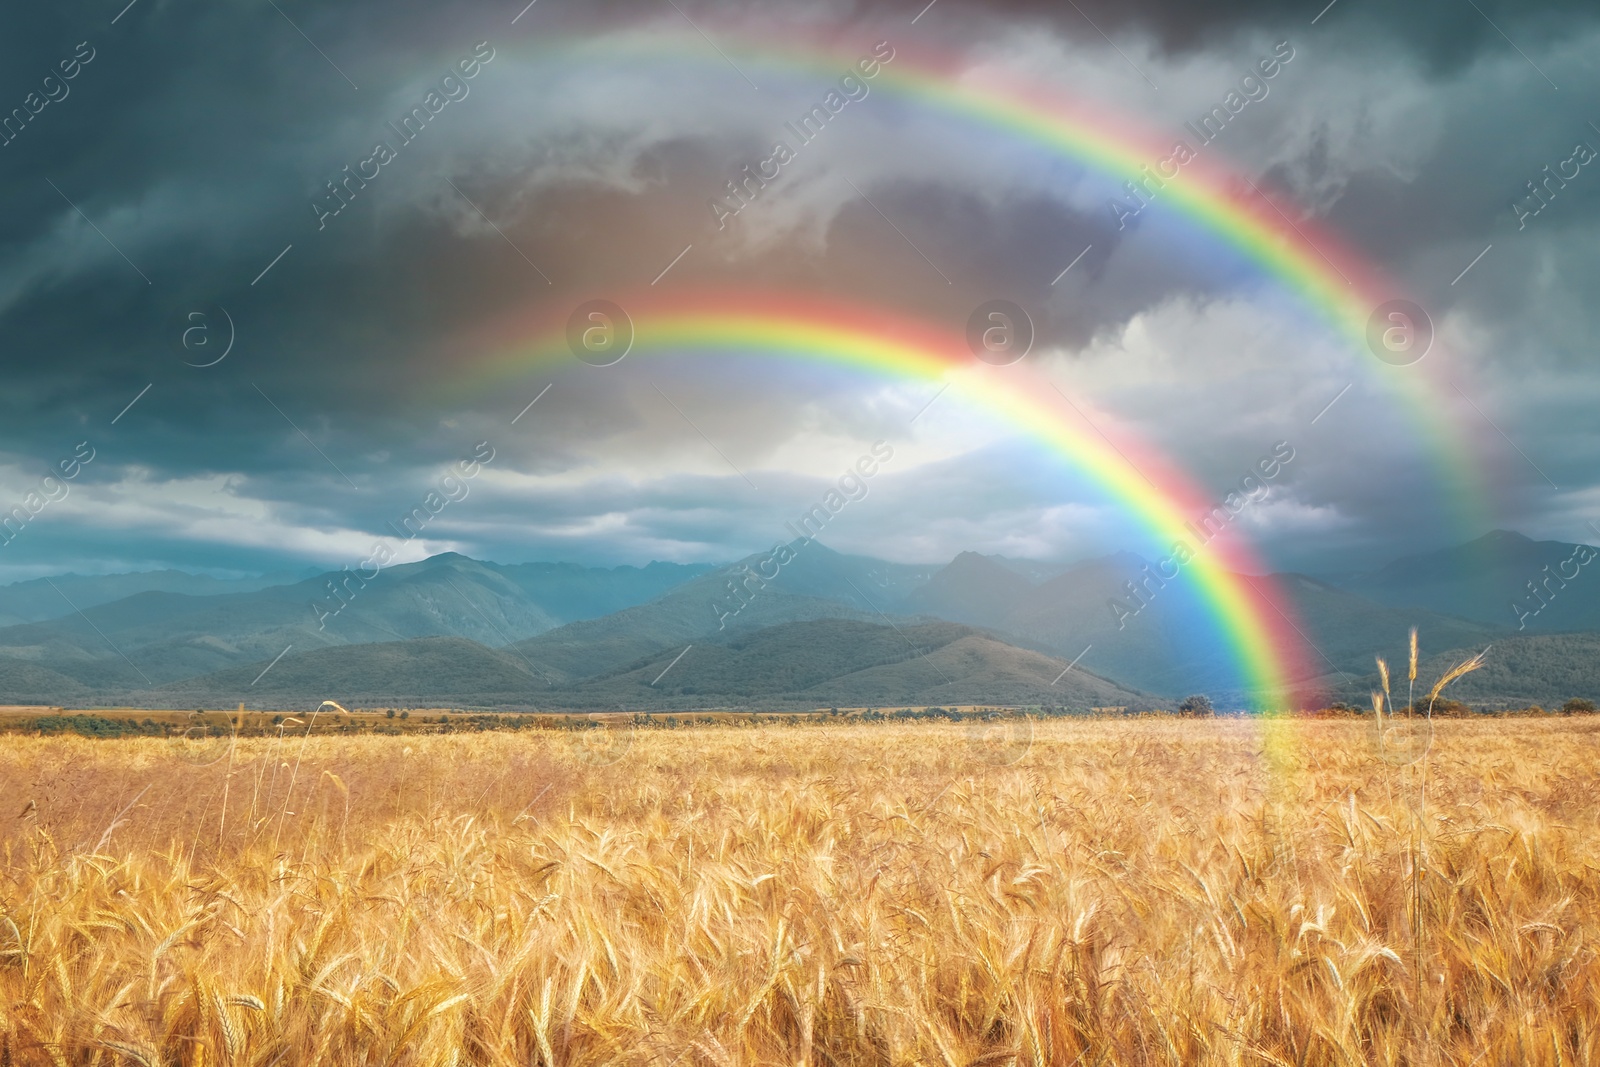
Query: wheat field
x=1100, y=892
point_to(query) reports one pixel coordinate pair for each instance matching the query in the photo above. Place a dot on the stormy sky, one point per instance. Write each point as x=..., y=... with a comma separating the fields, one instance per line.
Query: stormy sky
x=265, y=383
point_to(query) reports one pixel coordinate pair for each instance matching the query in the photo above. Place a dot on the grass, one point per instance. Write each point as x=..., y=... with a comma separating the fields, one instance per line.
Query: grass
x=1112, y=892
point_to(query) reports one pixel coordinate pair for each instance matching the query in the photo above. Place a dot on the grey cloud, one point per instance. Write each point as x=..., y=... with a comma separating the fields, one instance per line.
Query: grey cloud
x=196, y=139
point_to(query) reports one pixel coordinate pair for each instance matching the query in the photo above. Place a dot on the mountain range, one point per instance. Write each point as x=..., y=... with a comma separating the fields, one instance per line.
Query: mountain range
x=1503, y=579
x=825, y=629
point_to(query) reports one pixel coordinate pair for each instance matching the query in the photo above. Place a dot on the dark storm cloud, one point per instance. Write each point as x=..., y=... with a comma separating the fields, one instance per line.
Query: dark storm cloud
x=197, y=137
x=1445, y=33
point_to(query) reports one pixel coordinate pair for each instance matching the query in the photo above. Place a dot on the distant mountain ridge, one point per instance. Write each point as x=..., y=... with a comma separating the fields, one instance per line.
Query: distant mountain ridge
x=590, y=634
x=156, y=637
x=40, y=599
x=1502, y=578
x=818, y=584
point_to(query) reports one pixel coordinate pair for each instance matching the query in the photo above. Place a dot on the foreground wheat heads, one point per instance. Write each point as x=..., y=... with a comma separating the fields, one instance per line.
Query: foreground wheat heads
x=1147, y=892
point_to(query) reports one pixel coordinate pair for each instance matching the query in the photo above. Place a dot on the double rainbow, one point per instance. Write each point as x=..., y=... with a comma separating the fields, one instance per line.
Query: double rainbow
x=1300, y=255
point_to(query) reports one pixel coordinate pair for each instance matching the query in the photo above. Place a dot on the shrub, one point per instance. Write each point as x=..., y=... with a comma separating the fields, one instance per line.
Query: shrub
x=1443, y=708
x=84, y=725
x=1198, y=705
x=1578, y=706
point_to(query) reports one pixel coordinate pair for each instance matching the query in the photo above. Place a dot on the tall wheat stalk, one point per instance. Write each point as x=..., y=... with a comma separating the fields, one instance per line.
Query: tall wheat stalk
x=227, y=782
x=288, y=795
x=1417, y=846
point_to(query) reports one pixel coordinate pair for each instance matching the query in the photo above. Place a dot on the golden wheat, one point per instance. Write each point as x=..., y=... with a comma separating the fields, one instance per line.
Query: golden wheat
x=1146, y=892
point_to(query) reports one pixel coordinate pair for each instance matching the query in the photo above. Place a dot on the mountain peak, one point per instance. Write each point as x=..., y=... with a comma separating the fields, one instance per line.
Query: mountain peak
x=976, y=560
x=973, y=588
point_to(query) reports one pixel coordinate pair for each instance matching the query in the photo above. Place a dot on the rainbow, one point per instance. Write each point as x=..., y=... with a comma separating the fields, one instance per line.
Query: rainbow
x=1254, y=619
x=1336, y=283
x=1302, y=256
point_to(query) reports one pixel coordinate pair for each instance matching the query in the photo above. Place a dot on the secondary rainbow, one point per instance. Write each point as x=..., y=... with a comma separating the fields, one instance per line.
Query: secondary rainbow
x=1251, y=615
x=1308, y=259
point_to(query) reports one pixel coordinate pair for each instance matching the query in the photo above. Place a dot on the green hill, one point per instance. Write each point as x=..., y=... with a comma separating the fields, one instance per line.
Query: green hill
x=851, y=662
x=822, y=662
x=447, y=671
x=1544, y=669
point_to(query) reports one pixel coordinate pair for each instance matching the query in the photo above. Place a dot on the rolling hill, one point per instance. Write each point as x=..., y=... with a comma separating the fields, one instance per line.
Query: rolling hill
x=822, y=662
x=1164, y=648
x=819, y=584
x=1544, y=669
x=424, y=671
x=853, y=663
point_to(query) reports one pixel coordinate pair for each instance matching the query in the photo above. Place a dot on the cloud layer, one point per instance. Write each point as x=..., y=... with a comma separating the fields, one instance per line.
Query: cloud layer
x=175, y=174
